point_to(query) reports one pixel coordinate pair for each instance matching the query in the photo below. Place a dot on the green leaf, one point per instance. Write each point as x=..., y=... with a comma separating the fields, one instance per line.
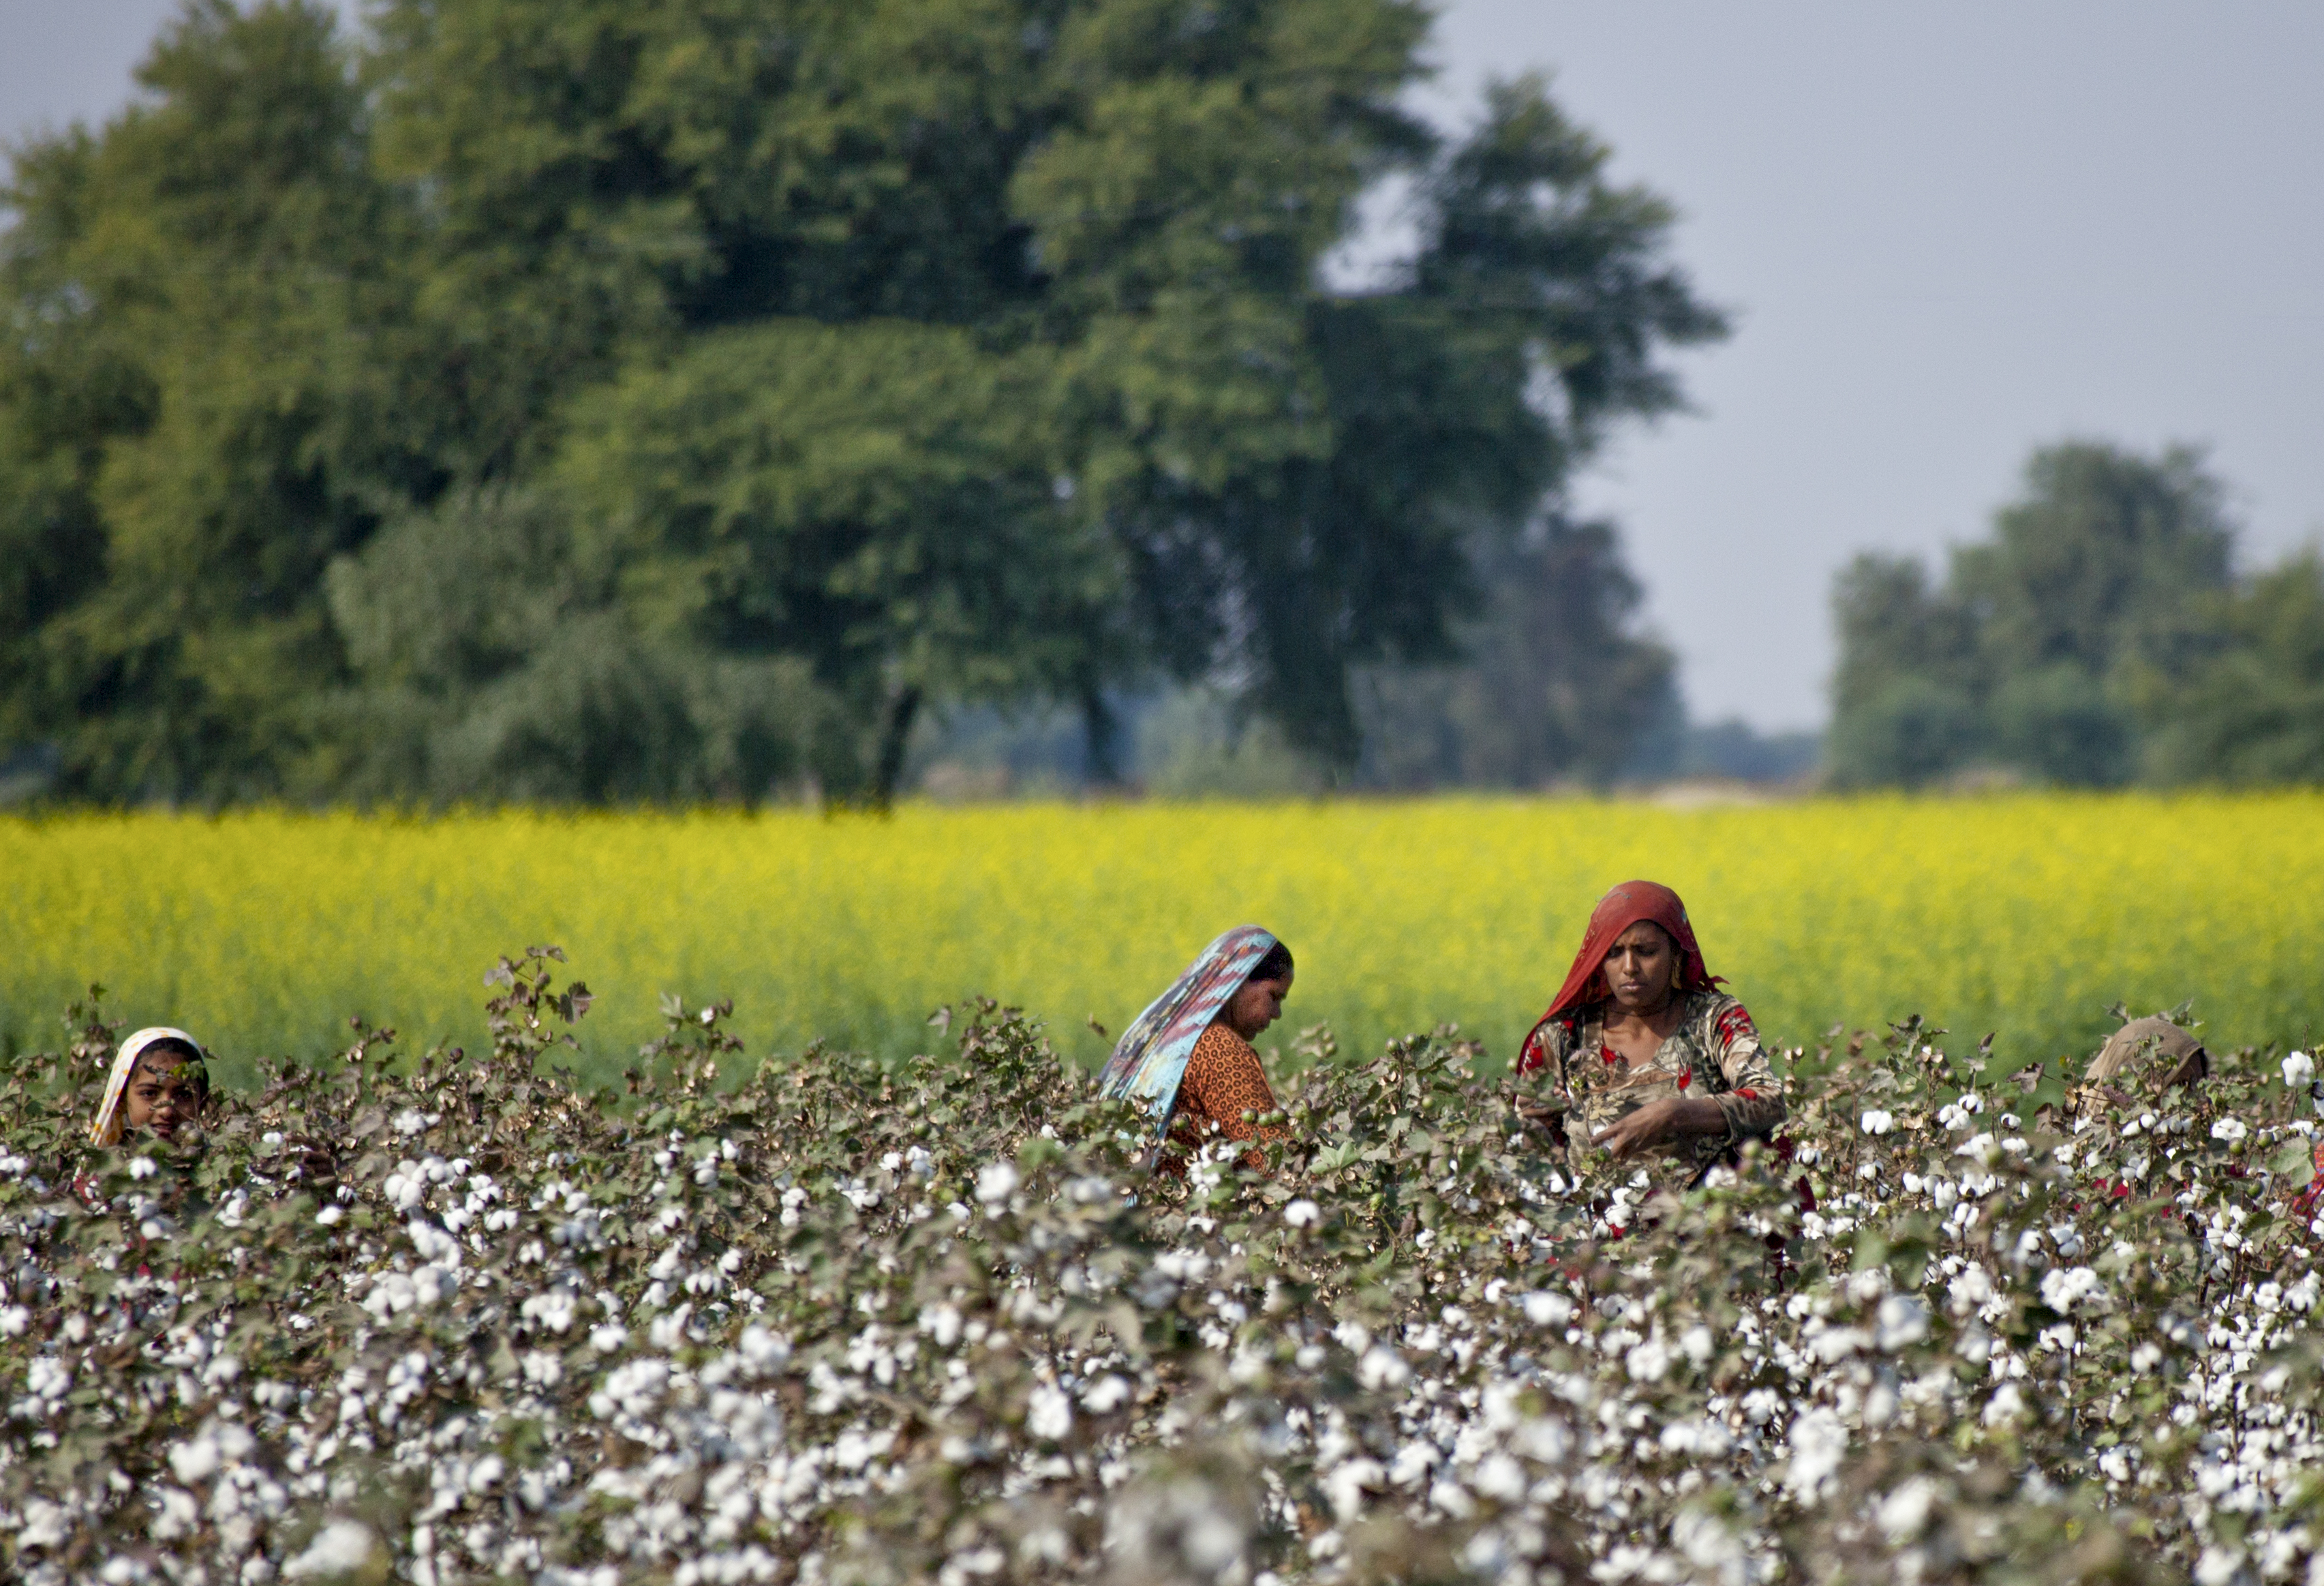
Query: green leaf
x=2295, y=1164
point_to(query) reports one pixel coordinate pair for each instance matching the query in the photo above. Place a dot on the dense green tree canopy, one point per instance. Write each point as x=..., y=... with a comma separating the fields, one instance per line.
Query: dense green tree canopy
x=568, y=399
x=2097, y=636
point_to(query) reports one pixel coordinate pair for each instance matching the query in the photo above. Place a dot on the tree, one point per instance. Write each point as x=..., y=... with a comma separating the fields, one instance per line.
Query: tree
x=2101, y=572
x=187, y=408
x=2253, y=709
x=877, y=501
x=1459, y=401
x=1906, y=692
x=1555, y=684
x=775, y=367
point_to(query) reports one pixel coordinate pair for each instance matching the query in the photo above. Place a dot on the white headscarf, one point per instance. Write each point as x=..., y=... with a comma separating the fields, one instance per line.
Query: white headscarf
x=106, y=1129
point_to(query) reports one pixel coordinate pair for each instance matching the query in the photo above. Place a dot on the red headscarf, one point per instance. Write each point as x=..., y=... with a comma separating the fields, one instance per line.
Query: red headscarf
x=1617, y=912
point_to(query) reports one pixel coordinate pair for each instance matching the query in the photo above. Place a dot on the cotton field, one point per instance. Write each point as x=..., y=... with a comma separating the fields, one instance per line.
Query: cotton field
x=819, y=1320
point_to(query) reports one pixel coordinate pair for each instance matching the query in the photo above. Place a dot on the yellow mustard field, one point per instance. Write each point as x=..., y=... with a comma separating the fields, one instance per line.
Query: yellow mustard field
x=262, y=931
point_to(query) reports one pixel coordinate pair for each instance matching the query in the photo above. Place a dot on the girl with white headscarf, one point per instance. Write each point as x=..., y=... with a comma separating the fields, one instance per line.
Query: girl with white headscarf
x=158, y=1082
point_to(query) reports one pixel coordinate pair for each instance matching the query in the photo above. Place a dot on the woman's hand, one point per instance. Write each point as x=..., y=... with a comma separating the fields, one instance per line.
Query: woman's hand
x=1660, y=1123
x=1535, y=1113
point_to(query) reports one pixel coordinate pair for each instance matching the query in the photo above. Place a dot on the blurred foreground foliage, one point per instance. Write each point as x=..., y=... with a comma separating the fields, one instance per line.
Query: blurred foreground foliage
x=454, y=1318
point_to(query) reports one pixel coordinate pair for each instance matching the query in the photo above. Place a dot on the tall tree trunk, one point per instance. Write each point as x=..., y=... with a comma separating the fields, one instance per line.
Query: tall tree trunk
x=1103, y=729
x=902, y=711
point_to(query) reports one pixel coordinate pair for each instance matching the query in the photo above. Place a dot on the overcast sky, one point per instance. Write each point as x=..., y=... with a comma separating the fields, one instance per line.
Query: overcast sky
x=1947, y=233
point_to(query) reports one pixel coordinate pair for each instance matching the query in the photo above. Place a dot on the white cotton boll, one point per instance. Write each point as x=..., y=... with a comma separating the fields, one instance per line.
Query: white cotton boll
x=48, y=1378
x=1903, y=1320
x=339, y=1548
x=2218, y=1565
x=1107, y=1394
x=1878, y=1120
x=45, y=1524
x=2065, y=1287
x=179, y=1513
x=763, y=1351
x=1696, y=1344
x=2145, y=1357
x=196, y=1460
x=1708, y=1546
x=1819, y=1440
x=1904, y=1513
x=1500, y=1477
x=996, y=1181
x=14, y=1321
x=1837, y=1343
x=2299, y=1068
x=1048, y=1412
x=329, y=1215
x=2229, y=1129
x=1647, y=1362
x=1353, y=1336
x=2006, y=1404
x=1346, y=1482
x=1701, y=1436
x=1543, y=1309
x=1382, y=1367
x=1303, y=1214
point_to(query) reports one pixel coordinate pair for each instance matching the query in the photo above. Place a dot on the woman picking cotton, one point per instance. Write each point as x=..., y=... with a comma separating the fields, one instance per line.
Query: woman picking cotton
x=1641, y=1055
x=1188, y=1059
x=159, y=1084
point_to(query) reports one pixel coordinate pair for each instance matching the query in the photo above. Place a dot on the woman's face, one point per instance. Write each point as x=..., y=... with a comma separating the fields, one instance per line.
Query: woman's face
x=1259, y=1004
x=164, y=1092
x=1641, y=970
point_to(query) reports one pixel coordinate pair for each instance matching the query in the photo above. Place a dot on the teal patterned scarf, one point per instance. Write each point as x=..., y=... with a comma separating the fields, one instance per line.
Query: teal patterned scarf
x=1150, y=1059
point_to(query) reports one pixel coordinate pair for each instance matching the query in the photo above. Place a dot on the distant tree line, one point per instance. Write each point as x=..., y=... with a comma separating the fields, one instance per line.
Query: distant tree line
x=2100, y=636
x=581, y=399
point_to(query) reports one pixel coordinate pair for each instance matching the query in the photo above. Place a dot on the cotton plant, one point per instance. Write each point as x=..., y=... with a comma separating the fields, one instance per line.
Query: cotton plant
x=817, y=1319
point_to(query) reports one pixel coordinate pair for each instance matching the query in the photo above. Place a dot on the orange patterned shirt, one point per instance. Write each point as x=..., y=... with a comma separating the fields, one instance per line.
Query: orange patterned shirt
x=1224, y=1080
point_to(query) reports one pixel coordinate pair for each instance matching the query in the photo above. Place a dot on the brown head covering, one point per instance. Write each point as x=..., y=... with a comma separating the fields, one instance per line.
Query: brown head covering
x=2166, y=1054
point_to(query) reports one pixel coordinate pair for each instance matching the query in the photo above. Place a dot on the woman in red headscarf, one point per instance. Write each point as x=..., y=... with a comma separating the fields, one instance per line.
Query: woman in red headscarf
x=1642, y=1054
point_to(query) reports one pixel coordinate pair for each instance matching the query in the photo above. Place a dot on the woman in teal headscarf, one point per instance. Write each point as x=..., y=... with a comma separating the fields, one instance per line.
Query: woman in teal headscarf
x=1188, y=1058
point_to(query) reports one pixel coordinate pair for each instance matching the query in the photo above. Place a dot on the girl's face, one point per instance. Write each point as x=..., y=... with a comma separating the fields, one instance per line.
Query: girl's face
x=1641, y=970
x=164, y=1092
x=1259, y=1004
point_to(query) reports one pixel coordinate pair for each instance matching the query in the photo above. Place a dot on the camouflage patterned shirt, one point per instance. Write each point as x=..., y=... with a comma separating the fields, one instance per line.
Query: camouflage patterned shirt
x=1714, y=1052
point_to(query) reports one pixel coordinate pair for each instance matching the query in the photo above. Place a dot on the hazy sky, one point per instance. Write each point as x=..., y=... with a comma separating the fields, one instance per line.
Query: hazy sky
x=1947, y=231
